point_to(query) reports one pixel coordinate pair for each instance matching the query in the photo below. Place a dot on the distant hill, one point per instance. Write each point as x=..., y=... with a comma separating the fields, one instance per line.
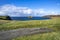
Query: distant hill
x=4, y=17
x=50, y=16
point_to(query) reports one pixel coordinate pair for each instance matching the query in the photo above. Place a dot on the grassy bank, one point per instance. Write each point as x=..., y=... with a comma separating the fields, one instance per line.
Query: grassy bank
x=50, y=23
x=45, y=36
x=9, y=24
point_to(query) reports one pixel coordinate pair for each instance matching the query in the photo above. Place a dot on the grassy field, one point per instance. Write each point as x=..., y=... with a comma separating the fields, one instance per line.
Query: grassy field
x=45, y=36
x=50, y=23
x=13, y=24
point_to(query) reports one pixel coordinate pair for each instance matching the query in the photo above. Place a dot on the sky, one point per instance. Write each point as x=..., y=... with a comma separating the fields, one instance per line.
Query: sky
x=29, y=7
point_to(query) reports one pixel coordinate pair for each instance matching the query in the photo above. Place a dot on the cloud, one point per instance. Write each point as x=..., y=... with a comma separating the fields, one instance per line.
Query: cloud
x=12, y=10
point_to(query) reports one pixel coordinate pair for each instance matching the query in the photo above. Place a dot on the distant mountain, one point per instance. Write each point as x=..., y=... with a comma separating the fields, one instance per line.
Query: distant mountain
x=50, y=16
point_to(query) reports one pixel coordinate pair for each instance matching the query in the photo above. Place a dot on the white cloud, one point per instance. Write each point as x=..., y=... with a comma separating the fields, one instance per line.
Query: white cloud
x=12, y=10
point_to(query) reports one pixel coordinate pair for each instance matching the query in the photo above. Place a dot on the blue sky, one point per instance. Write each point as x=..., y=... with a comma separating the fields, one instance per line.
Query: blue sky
x=29, y=7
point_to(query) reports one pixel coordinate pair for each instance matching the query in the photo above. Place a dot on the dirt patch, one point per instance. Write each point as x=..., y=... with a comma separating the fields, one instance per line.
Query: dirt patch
x=8, y=35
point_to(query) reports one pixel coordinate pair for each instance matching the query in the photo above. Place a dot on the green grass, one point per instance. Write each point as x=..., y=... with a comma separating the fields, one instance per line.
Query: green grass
x=4, y=17
x=45, y=36
x=50, y=23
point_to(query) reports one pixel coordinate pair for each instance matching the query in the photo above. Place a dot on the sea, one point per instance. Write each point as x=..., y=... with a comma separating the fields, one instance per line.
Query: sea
x=27, y=18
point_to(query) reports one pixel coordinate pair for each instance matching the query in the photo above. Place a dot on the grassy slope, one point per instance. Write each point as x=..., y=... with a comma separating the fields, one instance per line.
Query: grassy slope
x=54, y=23
x=45, y=36
x=51, y=23
x=5, y=18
